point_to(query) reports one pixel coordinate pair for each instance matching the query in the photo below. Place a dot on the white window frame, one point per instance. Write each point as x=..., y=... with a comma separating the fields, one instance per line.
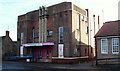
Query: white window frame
x=115, y=44
x=104, y=46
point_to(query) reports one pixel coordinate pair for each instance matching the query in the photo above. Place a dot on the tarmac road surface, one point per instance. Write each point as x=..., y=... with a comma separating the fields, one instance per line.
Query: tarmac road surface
x=24, y=66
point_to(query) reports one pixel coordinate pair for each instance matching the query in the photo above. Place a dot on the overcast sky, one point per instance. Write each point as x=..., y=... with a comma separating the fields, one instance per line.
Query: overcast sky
x=11, y=9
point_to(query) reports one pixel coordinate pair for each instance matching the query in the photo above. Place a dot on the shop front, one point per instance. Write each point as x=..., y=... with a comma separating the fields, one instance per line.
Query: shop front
x=39, y=52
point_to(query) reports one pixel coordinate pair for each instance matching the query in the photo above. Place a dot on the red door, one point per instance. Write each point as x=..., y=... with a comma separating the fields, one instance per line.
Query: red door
x=43, y=53
x=36, y=52
x=50, y=53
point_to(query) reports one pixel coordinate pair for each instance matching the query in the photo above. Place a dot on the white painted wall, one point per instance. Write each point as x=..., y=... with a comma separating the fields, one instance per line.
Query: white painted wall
x=119, y=10
x=94, y=26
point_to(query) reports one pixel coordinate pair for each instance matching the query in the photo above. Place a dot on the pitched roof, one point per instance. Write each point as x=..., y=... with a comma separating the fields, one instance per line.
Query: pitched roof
x=111, y=28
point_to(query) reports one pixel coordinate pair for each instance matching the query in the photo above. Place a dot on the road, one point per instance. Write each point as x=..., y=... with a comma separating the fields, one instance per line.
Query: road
x=24, y=66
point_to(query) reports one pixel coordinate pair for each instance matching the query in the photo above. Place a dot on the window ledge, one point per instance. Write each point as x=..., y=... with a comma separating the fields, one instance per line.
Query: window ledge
x=104, y=53
x=115, y=53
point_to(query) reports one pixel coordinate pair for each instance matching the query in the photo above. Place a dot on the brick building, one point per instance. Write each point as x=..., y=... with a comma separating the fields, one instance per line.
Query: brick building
x=108, y=43
x=8, y=48
x=58, y=32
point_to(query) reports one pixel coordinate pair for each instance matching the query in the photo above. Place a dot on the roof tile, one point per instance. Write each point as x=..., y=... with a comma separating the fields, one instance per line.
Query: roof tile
x=111, y=28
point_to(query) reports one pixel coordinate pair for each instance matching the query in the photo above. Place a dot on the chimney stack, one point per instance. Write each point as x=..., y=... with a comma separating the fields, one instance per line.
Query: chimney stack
x=98, y=22
x=7, y=33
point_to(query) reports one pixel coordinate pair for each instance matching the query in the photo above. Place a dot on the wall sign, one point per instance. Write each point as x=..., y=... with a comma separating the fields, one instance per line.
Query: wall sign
x=60, y=50
x=32, y=44
x=37, y=44
x=21, y=51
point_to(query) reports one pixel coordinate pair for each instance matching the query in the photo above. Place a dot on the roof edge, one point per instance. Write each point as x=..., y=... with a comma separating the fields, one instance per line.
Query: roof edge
x=112, y=21
x=106, y=36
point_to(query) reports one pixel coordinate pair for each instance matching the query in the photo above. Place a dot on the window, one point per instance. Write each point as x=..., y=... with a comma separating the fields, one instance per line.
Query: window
x=87, y=29
x=104, y=46
x=78, y=21
x=75, y=51
x=60, y=34
x=22, y=37
x=115, y=45
x=50, y=33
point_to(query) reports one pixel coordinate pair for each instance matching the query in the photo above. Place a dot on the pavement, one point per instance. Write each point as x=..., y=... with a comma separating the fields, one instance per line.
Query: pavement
x=11, y=65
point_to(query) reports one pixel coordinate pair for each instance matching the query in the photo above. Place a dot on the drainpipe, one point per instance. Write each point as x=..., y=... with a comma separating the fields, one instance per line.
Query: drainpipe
x=94, y=23
x=96, y=50
x=88, y=30
x=98, y=22
x=80, y=33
